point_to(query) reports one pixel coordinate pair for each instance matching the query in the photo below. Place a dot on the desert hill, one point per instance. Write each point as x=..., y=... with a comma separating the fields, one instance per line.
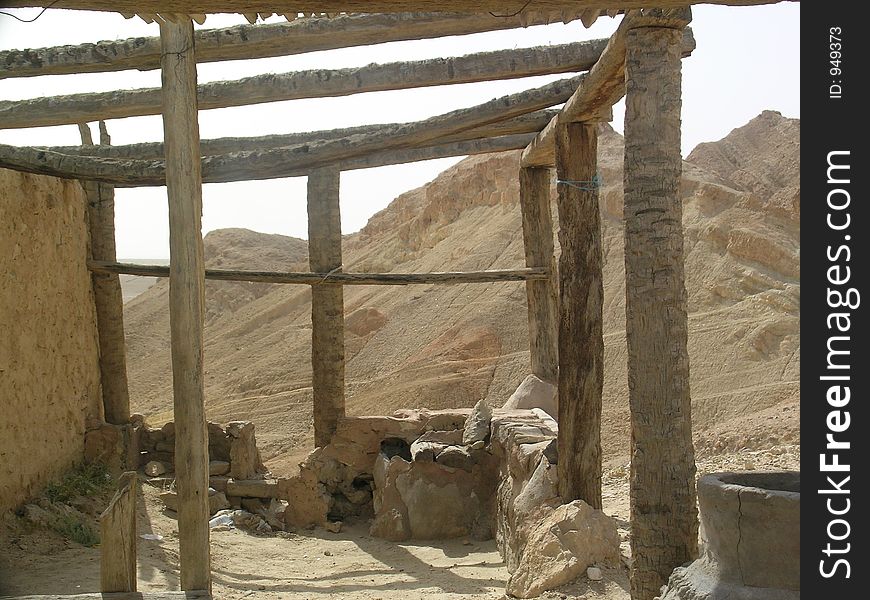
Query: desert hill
x=448, y=346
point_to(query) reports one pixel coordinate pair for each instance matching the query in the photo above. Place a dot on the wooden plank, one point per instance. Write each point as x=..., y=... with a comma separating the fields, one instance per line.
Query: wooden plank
x=192, y=595
x=581, y=297
x=186, y=301
x=541, y=294
x=290, y=161
x=603, y=87
x=108, y=298
x=58, y=165
x=327, y=303
x=243, y=42
x=327, y=278
x=664, y=518
x=499, y=7
x=318, y=83
x=527, y=123
x=118, y=538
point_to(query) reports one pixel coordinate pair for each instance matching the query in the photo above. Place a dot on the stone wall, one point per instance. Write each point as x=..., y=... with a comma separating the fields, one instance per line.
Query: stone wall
x=49, y=369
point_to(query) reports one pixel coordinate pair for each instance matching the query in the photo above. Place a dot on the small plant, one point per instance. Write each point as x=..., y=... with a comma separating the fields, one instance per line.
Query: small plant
x=77, y=531
x=83, y=480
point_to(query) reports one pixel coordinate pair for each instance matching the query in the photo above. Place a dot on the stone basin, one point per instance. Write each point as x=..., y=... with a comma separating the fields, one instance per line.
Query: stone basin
x=750, y=539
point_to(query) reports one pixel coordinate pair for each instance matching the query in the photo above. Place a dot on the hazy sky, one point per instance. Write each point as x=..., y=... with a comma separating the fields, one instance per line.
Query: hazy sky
x=747, y=60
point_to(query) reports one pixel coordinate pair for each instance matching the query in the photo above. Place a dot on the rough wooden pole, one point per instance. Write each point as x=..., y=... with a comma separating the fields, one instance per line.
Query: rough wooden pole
x=186, y=299
x=327, y=303
x=542, y=295
x=118, y=538
x=664, y=520
x=581, y=293
x=108, y=299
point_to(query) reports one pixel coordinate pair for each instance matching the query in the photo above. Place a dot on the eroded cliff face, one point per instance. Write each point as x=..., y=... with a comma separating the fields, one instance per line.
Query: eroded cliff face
x=49, y=357
x=448, y=346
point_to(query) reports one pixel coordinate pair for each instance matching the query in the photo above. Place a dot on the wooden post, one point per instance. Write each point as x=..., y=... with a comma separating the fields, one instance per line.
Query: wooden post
x=581, y=292
x=108, y=299
x=664, y=519
x=542, y=295
x=327, y=303
x=186, y=299
x=118, y=538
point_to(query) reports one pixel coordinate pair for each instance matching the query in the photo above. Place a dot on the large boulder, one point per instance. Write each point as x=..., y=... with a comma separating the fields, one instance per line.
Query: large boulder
x=561, y=546
x=535, y=393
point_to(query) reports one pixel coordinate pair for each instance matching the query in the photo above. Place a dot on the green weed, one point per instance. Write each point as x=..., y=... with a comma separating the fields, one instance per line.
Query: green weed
x=83, y=480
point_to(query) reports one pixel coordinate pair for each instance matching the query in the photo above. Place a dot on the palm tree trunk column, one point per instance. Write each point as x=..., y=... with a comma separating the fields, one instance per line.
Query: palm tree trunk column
x=664, y=521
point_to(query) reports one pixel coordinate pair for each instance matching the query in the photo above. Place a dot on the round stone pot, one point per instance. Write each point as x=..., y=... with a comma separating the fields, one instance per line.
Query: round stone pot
x=750, y=539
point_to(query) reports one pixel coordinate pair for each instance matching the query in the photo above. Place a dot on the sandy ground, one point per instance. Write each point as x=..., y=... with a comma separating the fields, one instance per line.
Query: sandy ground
x=318, y=564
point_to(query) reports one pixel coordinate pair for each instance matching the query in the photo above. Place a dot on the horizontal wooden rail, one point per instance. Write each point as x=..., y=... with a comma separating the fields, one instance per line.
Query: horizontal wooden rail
x=448, y=278
x=243, y=42
x=528, y=123
x=318, y=83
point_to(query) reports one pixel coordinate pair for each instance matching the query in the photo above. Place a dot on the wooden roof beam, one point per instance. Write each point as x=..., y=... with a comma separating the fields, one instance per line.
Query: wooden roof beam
x=528, y=123
x=603, y=87
x=298, y=159
x=499, y=7
x=243, y=42
x=270, y=87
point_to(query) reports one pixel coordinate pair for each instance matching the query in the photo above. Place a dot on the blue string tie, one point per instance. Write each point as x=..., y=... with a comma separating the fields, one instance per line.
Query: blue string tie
x=587, y=186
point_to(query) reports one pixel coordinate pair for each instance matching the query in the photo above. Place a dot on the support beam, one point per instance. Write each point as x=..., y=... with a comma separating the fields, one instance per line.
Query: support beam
x=287, y=162
x=327, y=303
x=108, y=298
x=186, y=301
x=244, y=42
x=118, y=538
x=581, y=297
x=33, y=160
x=528, y=123
x=542, y=295
x=340, y=277
x=499, y=7
x=603, y=87
x=664, y=518
x=319, y=83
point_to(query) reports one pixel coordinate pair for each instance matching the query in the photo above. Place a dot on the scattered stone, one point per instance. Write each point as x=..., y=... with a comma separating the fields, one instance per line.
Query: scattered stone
x=244, y=456
x=253, y=488
x=155, y=468
x=477, y=424
x=217, y=502
x=218, y=482
x=333, y=526
x=168, y=430
x=137, y=419
x=170, y=500
x=456, y=457
x=551, y=452
x=452, y=437
x=423, y=451
x=535, y=393
x=561, y=546
x=218, y=467
x=327, y=553
x=252, y=505
x=479, y=444
x=594, y=574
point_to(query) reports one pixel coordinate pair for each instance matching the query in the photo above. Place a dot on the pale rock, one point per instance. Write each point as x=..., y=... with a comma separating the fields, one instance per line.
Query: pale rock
x=594, y=574
x=244, y=457
x=218, y=467
x=452, y=437
x=155, y=468
x=333, y=526
x=560, y=548
x=478, y=445
x=455, y=457
x=217, y=502
x=253, y=488
x=170, y=500
x=535, y=393
x=477, y=424
x=426, y=451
